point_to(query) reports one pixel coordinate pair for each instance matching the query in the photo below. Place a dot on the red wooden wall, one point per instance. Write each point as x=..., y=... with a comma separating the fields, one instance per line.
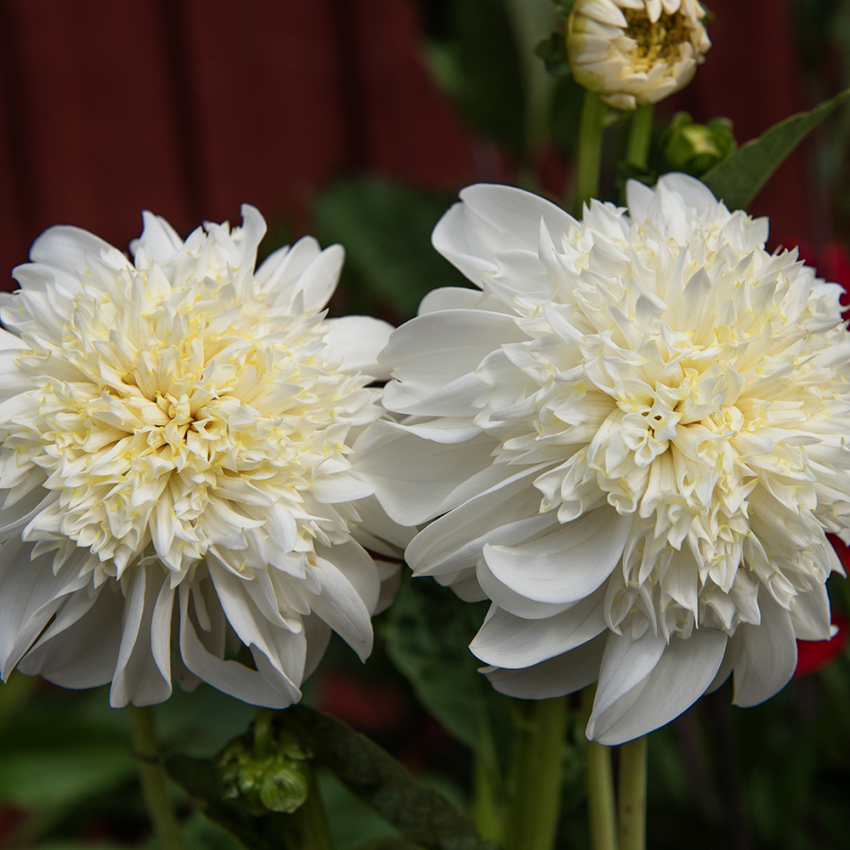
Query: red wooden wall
x=190, y=107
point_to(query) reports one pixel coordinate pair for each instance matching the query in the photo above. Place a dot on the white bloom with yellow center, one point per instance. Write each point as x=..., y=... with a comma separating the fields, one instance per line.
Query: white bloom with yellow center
x=633, y=438
x=635, y=52
x=177, y=460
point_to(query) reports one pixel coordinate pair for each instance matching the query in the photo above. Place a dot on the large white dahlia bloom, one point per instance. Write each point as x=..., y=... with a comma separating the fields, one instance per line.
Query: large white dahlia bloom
x=177, y=464
x=636, y=52
x=632, y=438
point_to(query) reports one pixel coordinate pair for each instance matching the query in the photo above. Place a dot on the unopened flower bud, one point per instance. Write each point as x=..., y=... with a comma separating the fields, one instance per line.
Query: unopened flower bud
x=635, y=52
x=695, y=148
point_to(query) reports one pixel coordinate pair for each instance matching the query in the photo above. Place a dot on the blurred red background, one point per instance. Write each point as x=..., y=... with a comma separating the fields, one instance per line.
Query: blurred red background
x=190, y=107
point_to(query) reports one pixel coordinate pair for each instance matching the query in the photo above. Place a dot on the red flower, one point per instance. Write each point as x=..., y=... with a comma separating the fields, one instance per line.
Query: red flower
x=832, y=262
x=814, y=654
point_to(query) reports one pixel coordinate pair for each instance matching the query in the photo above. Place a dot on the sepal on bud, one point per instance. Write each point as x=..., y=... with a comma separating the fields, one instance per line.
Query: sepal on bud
x=696, y=148
x=276, y=779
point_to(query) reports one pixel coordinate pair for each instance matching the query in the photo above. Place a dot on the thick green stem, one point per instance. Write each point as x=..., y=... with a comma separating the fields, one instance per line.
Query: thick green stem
x=164, y=821
x=600, y=797
x=633, y=795
x=537, y=777
x=262, y=731
x=487, y=810
x=640, y=135
x=592, y=122
x=312, y=821
x=600, y=788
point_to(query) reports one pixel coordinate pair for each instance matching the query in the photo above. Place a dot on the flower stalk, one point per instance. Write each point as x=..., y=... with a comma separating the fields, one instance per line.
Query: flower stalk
x=154, y=790
x=537, y=776
x=589, y=160
x=632, y=794
x=640, y=135
x=600, y=797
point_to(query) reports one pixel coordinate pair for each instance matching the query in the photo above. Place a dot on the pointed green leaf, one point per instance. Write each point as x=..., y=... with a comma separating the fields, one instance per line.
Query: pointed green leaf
x=386, y=230
x=428, y=632
x=738, y=179
x=417, y=810
x=200, y=779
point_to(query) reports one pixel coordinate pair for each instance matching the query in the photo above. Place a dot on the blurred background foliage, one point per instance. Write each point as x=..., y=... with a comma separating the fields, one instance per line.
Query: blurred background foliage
x=774, y=776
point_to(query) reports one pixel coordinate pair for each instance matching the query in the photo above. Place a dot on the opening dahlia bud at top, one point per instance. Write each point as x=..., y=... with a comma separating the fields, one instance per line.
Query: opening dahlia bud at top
x=635, y=52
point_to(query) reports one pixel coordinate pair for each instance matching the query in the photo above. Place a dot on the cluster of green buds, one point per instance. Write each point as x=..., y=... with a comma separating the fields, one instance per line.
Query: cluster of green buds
x=275, y=777
x=695, y=148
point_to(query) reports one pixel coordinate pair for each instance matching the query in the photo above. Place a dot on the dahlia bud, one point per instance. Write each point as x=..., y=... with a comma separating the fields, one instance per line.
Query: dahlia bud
x=695, y=148
x=635, y=52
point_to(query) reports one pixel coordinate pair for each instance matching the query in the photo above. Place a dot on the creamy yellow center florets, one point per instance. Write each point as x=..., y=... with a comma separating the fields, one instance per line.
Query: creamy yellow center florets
x=655, y=41
x=171, y=421
x=690, y=384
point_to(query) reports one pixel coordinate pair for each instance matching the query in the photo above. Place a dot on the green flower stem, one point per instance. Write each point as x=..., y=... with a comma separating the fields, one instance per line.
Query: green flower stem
x=633, y=795
x=592, y=123
x=600, y=797
x=537, y=778
x=640, y=135
x=600, y=787
x=486, y=787
x=164, y=821
x=262, y=731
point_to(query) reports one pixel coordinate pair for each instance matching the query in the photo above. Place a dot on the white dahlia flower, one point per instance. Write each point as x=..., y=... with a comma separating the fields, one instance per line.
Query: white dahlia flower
x=632, y=438
x=177, y=464
x=635, y=52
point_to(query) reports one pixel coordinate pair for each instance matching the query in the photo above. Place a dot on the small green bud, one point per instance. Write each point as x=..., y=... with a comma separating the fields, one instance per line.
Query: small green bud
x=277, y=780
x=696, y=148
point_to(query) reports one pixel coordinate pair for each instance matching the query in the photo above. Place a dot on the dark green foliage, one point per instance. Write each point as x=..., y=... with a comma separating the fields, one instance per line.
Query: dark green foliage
x=553, y=51
x=417, y=810
x=473, y=56
x=738, y=179
x=386, y=230
x=696, y=148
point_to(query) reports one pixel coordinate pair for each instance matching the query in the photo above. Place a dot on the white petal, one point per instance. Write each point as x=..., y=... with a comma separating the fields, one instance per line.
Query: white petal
x=137, y=677
x=508, y=641
x=625, y=664
x=342, y=609
x=810, y=615
x=159, y=241
x=65, y=248
x=564, y=674
x=320, y=278
x=84, y=652
x=414, y=478
x=768, y=654
x=567, y=564
x=358, y=568
x=679, y=678
x=228, y=676
x=507, y=512
x=449, y=298
x=357, y=341
x=431, y=350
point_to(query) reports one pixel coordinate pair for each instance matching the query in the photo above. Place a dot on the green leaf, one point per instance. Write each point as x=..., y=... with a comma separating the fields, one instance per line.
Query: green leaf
x=564, y=8
x=200, y=779
x=553, y=51
x=63, y=775
x=473, y=54
x=428, y=631
x=738, y=179
x=386, y=230
x=418, y=811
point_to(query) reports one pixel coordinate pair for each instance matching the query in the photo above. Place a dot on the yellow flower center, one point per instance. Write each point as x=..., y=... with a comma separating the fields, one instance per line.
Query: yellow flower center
x=659, y=41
